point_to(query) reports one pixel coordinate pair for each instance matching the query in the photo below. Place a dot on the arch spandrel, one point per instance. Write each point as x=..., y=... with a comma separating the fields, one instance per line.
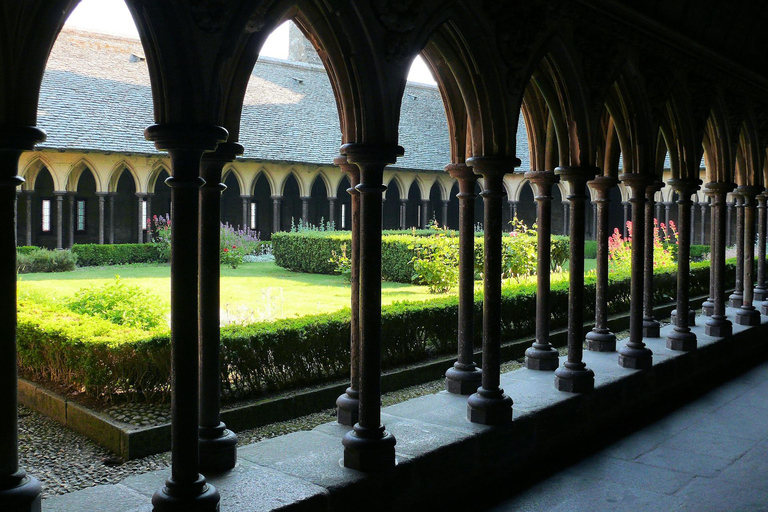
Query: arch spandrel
x=116, y=173
x=76, y=170
x=233, y=169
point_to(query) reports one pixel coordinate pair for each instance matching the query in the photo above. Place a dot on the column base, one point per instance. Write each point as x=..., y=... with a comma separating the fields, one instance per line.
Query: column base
x=735, y=300
x=718, y=325
x=542, y=359
x=463, y=379
x=601, y=340
x=196, y=497
x=681, y=339
x=348, y=408
x=636, y=358
x=651, y=328
x=369, y=450
x=22, y=493
x=748, y=315
x=489, y=407
x=764, y=307
x=217, y=448
x=760, y=294
x=691, y=317
x=708, y=308
x=574, y=380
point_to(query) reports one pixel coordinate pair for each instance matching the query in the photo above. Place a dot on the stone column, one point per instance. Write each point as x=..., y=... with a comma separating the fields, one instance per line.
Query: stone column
x=246, y=203
x=566, y=216
x=72, y=218
x=445, y=213
x=186, y=144
x=305, y=209
x=148, y=235
x=728, y=223
x=667, y=212
x=276, y=203
x=708, y=306
x=574, y=376
x=693, y=223
x=625, y=205
x=368, y=446
x=761, y=292
x=651, y=327
x=718, y=324
x=594, y=221
x=464, y=377
x=217, y=444
x=102, y=198
x=600, y=338
x=681, y=337
x=141, y=220
x=425, y=213
x=112, y=218
x=29, y=194
x=490, y=406
x=747, y=313
x=348, y=404
x=403, y=213
x=703, y=232
x=635, y=354
x=332, y=211
x=736, y=299
x=513, y=209
x=542, y=355
x=59, y=219
x=17, y=488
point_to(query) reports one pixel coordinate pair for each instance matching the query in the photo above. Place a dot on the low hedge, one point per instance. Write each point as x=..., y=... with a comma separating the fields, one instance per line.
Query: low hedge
x=104, y=359
x=98, y=255
x=37, y=259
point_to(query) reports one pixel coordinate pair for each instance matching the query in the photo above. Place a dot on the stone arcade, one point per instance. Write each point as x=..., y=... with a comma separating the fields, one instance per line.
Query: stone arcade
x=597, y=81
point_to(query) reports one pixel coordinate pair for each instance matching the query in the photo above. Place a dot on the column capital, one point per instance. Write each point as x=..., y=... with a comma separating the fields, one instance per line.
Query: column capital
x=603, y=184
x=542, y=178
x=718, y=188
x=461, y=172
x=246, y=196
x=636, y=180
x=576, y=173
x=172, y=137
x=20, y=138
x=654, y=187
x=276, y=197
x=370, y=153
x=684, y=186
x=225, y=152
x=749, y=192
x=351, y=170
x=493, y=164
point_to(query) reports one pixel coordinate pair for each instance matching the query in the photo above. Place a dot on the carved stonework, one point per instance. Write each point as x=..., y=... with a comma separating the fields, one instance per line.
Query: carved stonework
x=209, y=15
x=399, y=18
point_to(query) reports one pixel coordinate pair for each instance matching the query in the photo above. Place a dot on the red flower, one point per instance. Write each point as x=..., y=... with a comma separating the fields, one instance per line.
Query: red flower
x=226, y=250
x=234, y=247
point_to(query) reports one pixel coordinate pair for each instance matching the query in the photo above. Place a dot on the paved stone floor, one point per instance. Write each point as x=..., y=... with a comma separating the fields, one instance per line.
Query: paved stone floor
x=710, y=455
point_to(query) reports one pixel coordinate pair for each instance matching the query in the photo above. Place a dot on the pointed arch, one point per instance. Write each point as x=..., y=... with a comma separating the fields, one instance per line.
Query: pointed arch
x=116, y=173
x=32, y=169
x=263, y=173
x=76, y=170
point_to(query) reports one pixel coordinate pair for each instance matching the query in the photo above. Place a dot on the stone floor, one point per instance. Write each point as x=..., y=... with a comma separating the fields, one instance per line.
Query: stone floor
x=710, y=455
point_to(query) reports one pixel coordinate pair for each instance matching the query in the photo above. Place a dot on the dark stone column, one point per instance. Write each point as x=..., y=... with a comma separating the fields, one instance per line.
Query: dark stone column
x=718, y=324
x=424, y=213
x=464, y=377
x=651, y=327
x=681, y=337
x=59, y=219
x=246, y=203
x=368, y=446
x=667, y=212
x=186, y=489
x=635, y=354
x=693, y=223
x=332, y=211
x=627, y=214
x=403, y=215
x=513, y=209
x=102, y=197
x=728, y=223
x=736, y=299
x=305, y=209
x=490, y=406
x=445, y=213
x=72, y=216
x=29, y=194
x=112, y=218
x=708, y=306
x=19, y=492
x=348, y=404
x=703, y=232
x=276, y=202
x=747, y=313
x=761, y=292
x=574, y=376
x=218, y=445
x=600, y=338
x=594, y=221
x=566, y=216
x=542, y=355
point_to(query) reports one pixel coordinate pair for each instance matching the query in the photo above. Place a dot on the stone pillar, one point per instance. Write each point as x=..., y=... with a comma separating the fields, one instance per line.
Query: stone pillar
x=747, y=313
x=424, y=213
x=718, y=324
x=651, y=327
x=19, y=490
x=490, y=406
x=681, y=337
x=141, y=220
x=542, y=355
x=276, y=203
x=566, y=216
x=305, y=209
x=703, y=231
x=59, y=219
x=186, y=487
x=667, y=212
x=635, y=354
x=112, y=218
x=659, y=209
x=348, y=404
x=594, y=221
x=217, y=444
x=464, y=377
x=736, y=299
x=246, y=203
x=148, y=233
x=72, y=218
x=102, y=223
x=445, y=213
x=708, y=306
x=332, y=211
x=761, y=292
x=403, y=213
x=513, y=209
x=574, y=376
x=368, y=446
x=693, y=223
x=29, y=194
x=624, y=232
x=600, y=338
x=729, y=222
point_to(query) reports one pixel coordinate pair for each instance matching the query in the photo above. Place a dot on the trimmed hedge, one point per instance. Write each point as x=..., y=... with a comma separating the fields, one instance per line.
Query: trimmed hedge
x=104, y=359
x=97, y=255
x=38, y=259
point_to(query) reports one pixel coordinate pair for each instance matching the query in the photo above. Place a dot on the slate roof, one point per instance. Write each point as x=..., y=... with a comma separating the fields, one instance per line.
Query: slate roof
x=96, y=96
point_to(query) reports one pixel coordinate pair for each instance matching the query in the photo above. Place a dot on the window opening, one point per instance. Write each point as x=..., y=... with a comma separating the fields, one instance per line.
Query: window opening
x=343, y=216
x=253, y=215
x=46, y=223
x=80, y=203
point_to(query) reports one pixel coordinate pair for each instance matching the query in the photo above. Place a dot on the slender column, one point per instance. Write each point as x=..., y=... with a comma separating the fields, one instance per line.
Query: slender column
x=112, y=218
x=681, y=337
x=276, y=203
x=729, y=223
x=245, y=203
x=71, y=227
x=186, y=489
x=574, y=376
x=542, y=355
x=566, y=215
x=489, y=405
x=513, y=208
x=29, y=194
x=348, y=404
x=403, y=213
x=368, y=446
x=708, y=306
x=102, y=198
x=383, y=201
x=625, y=205
x=332, y=210
x=141, y=221
x=424, y=213
x=659, y=209
x=464, y=377
x=736, y=299
x=18, y=491
x=59, y=219
x=600, y=338
x=217, y=444
x=445, y=213
x=594, y=221
x=635, y=354
x=761, y=292
x=747, y=313
x=718, y=324
x=703, y=231
x=651, y=327
x=667, y=211
x=693, y=223
x=305, y=209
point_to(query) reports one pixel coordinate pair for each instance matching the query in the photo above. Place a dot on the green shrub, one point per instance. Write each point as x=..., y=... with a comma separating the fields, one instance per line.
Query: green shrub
x=26, y=249
x=44, y=260
x=699, y=252
x=120, y=303
x=590, y=249
x=97, y=255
